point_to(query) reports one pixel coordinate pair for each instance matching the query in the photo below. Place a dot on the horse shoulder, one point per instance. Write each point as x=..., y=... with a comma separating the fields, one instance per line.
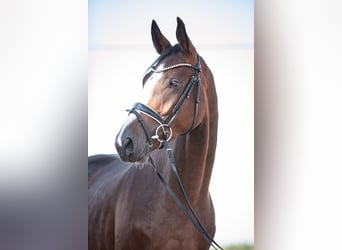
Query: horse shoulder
x=97, y=162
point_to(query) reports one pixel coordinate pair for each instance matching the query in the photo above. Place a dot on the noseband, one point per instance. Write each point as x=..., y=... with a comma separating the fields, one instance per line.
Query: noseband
x=164, y=131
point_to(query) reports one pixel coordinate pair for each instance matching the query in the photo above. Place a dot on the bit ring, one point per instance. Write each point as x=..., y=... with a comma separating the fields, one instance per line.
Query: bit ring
x=166, y=130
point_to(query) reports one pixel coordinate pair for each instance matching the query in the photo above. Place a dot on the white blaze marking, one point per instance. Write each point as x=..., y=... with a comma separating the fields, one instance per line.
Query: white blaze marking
x=149, y=86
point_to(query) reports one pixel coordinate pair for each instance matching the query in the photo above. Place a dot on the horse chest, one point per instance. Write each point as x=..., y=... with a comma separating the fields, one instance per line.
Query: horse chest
x=160, y=228
x=141, y=215
x=164, y=235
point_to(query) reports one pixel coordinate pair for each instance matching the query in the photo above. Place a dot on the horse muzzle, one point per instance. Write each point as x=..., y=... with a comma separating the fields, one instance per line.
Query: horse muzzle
x=131, y=143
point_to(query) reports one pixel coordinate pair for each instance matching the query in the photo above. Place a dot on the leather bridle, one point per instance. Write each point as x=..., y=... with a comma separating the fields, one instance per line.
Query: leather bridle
x=165, y=124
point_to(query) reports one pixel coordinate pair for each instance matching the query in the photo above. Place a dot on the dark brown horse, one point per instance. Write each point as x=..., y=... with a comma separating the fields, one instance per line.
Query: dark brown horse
x=129, y=208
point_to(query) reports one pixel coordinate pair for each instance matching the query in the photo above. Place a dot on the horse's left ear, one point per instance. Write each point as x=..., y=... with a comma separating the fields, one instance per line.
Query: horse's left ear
x=183, y=39
x=159, y=40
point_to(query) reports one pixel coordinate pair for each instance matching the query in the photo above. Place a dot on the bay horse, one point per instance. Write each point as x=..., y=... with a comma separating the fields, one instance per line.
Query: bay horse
x=128, y=206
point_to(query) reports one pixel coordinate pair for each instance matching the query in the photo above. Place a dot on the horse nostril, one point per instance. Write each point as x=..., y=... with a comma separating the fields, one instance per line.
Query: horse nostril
x=127, y=146
x=124, y=147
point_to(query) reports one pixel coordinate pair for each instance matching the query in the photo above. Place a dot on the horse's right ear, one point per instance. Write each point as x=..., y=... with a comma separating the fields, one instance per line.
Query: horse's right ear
x=159, y=40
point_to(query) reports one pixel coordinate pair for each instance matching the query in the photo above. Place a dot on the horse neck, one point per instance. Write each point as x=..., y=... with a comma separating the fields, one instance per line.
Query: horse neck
x=195, y=152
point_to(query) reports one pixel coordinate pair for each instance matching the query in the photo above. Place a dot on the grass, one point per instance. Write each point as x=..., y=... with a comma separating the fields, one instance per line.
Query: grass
x=238, y=247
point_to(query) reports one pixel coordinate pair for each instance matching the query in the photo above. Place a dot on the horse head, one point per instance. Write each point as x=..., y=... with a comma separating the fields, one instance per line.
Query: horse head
x=171, y=106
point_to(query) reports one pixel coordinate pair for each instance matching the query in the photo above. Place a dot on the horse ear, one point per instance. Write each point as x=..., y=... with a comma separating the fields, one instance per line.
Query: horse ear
x=159, y=40
x=183, y=39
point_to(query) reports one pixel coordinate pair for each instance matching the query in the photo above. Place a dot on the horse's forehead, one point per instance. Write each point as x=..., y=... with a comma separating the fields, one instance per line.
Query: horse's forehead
x=149, y=85
x=173, y=59
x=159, y=65
x=152, y=80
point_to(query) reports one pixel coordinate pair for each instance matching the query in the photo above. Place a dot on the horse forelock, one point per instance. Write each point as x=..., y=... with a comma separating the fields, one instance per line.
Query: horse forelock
x=173, y=50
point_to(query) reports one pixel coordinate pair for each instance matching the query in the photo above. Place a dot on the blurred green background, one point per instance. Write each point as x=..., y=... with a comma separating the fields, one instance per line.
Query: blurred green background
x=243, y=246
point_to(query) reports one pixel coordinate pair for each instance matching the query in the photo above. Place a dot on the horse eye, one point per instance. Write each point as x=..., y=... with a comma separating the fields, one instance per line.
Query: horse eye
x=173, y=82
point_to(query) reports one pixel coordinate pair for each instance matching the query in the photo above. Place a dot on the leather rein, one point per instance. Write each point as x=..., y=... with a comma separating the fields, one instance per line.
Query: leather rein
x=163, y=134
